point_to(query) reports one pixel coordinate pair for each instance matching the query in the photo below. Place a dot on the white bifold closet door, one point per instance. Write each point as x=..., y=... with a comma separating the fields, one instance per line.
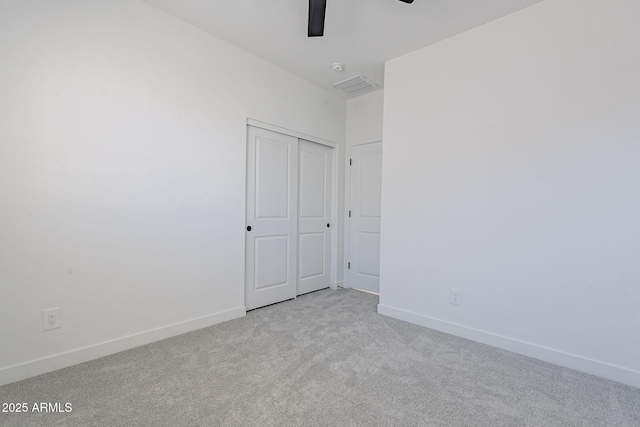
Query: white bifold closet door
x=288, y=243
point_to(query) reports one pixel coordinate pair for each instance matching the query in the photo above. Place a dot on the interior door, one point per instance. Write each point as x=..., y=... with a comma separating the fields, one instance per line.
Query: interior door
x=314, y=216
x=364, y=222
x=271, y=217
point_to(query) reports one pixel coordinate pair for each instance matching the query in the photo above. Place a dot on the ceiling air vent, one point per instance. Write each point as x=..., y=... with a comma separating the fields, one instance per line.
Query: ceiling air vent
x=355, y=86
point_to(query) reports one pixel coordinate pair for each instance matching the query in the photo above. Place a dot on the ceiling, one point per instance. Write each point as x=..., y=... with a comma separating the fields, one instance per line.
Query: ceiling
x=361, y=34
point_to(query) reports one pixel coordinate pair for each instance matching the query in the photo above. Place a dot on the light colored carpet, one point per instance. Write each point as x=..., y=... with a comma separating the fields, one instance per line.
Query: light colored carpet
x=325, y=359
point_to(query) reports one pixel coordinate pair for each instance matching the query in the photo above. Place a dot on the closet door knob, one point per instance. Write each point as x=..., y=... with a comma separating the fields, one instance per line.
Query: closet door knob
x=328, y=225
x=249, y=228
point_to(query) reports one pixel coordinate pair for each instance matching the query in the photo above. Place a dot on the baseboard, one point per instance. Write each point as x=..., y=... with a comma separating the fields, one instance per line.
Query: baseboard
x=63, y=360
x=605, y=370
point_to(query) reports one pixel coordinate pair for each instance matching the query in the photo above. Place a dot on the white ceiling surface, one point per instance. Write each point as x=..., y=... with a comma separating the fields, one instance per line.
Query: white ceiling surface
x=362, y=34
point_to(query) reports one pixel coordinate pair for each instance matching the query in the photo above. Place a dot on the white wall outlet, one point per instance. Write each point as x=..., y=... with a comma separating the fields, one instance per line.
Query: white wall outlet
x=50, y=318
x=456, y=296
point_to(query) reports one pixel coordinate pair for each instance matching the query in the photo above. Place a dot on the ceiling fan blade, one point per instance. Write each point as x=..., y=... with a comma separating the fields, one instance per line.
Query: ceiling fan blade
x=316, y=17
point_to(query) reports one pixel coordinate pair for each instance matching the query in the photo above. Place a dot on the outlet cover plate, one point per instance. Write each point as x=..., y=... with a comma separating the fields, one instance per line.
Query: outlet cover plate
x=50, y=318
x=456, y=296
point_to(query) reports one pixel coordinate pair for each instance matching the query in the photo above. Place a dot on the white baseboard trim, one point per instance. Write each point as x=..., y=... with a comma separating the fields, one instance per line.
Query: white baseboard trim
x=52, y=363
x=336, y=285
x=605, y=370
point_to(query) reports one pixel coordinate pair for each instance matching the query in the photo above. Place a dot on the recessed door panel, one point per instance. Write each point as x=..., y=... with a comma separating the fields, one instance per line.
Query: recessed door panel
x=272, y=259
x=369, y=257
x=370, y=165
x=311, y=248
x=272, y=178
x=313, y=200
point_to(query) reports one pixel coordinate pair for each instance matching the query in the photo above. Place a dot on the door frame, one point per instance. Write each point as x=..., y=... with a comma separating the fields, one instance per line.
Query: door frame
x=334, y=187
x=347, y=207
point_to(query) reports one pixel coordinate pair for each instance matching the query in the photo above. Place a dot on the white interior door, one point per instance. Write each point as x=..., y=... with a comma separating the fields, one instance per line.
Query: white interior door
x=314, y=216
x=364, y=222
x=271, y=218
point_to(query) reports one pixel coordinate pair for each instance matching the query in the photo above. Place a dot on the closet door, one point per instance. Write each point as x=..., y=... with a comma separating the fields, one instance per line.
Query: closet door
x=271, y=218
x=314, y=216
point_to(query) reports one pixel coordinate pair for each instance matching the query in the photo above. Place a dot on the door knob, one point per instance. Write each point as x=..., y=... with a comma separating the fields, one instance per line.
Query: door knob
x=249, y=228
x=328, y=225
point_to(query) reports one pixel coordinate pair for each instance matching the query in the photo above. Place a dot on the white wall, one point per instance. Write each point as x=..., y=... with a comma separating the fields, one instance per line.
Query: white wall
x=511, y=171
x=364, y=118
x=122, y=174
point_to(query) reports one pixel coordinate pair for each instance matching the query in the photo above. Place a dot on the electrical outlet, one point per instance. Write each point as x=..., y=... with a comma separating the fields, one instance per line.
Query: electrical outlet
x=456, y=296
x=50, y=318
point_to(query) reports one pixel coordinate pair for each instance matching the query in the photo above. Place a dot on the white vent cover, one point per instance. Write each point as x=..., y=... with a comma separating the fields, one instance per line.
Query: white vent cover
x=355, y=86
